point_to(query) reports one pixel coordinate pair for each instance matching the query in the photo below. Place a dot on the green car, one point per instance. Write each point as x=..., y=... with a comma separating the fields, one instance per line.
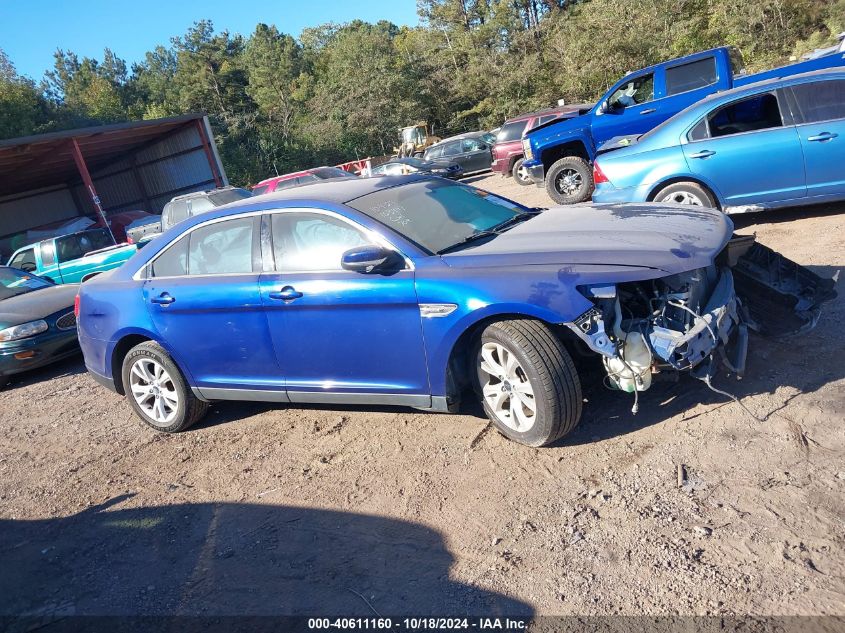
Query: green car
x=37, y=322
x=73, y=258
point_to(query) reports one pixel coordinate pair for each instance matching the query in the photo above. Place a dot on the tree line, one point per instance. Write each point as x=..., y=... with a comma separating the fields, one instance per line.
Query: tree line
x=278, y=103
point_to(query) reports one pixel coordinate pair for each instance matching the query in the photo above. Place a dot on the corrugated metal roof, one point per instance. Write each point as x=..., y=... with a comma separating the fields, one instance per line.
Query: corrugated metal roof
x=38, y=161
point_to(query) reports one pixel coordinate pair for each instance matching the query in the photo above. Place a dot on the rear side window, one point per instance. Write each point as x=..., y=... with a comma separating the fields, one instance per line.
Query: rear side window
x=471, y=145
x=690, y=76
x=222, y=248
x=48, y=253
x=286, y=184
x=749, y=115
x=821, y=100
x=199, y=205
x=174, y=213
x=511, y=132
x=699, y=132
x=174, y=261
x=78, y=245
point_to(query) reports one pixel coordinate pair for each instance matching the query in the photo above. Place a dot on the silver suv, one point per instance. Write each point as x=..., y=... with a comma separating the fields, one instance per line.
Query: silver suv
x=190, y=204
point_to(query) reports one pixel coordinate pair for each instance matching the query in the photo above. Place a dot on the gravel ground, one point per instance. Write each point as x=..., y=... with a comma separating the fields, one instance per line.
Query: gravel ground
x=352, y=511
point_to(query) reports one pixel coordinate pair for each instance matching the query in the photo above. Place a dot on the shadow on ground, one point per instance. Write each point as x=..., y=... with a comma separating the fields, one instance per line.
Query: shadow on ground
x=231, y=559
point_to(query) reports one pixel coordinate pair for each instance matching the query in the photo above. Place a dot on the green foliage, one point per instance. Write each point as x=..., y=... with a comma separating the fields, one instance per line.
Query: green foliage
x=341, y=91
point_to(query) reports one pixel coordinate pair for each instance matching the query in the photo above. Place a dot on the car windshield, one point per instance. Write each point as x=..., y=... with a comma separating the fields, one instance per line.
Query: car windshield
x=15, y=282
x=74, y=246
x=415, y=162
x=257, y=190
x=436, y=214
x=219, y=198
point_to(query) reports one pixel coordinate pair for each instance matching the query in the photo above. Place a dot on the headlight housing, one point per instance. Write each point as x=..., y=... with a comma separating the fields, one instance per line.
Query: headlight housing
x=24, y=330
x=526, y=149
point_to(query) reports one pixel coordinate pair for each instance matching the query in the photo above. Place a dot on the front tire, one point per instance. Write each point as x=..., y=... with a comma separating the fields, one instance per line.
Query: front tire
x=570, y=180
x=690, y=193
x=520, y=174
x=528, y=383
x=157, y=390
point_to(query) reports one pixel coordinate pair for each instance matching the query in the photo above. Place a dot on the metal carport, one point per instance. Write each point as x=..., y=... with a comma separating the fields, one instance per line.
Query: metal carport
x=105, y=169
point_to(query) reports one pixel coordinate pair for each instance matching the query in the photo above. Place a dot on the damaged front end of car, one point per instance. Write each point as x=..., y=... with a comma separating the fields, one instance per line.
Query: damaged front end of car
x=697, y=321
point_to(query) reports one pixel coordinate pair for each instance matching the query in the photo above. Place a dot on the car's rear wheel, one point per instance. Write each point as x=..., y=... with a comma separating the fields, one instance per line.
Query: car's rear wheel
x=686, y=193
x=570, y=180
x=528, y=383
x=157, y=390
x=520, y=173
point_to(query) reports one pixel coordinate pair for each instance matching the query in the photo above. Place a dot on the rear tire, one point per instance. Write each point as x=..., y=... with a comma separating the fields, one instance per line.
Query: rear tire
x=157, y=391
x=690, y=193
x=570, y=180
x=520, y=174
x=528, y=383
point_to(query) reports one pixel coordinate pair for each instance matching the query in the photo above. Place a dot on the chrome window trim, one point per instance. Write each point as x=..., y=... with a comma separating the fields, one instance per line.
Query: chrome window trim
x=143, y=273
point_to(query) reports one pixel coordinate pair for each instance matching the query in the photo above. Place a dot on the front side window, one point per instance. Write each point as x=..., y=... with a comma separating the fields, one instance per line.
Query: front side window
x=690, y=76
x=633, y=92
x=78, y=245
x=748, y=115
x=222, y=248
x=452, y=149
x=434, y=152
x=511, y=132
x=821, y=100
x=312, y=241
x=437, y=214
x=25, y=260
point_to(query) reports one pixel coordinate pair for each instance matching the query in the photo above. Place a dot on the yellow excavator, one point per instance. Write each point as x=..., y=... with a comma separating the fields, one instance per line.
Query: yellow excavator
x=414, y=139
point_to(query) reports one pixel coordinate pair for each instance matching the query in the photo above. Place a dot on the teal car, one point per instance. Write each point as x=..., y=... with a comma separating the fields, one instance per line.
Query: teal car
x=72, y=258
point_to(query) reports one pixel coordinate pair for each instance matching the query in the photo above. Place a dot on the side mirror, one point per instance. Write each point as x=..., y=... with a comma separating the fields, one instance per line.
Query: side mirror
x=366, y=259
x=602, y=108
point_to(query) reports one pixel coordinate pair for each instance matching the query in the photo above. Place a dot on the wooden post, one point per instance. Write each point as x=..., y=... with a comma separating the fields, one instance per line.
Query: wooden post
x=89, y=184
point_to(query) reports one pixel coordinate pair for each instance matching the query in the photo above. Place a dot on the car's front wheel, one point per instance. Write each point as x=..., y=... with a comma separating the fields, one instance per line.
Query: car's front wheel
x=520, y=173
x=157, y=390
x=686, y=193
x=528, y=383
x=570, y=180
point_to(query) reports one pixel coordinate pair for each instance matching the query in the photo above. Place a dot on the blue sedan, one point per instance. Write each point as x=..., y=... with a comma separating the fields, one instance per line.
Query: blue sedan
x=772, y=144
x=409, y=291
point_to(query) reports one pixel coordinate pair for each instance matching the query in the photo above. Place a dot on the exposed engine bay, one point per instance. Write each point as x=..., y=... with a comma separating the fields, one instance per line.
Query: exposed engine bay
x=698, y=320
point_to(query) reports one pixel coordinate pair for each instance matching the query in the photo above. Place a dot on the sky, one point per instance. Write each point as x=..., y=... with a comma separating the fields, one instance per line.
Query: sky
x=31, y=30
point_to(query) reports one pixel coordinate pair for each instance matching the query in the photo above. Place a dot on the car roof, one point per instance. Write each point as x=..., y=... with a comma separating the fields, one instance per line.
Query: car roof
x=458, y=137
x=774, y=82
x=198, y=194
x=293, y=174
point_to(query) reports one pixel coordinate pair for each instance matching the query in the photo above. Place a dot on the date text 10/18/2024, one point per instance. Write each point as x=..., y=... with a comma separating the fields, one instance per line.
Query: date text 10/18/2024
x=418, y=624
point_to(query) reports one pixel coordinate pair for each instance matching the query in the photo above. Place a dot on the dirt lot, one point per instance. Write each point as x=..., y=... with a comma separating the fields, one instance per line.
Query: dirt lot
x=265, y=509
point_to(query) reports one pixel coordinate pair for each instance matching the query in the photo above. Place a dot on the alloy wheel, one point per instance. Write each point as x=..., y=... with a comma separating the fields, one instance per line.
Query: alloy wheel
x=569, y=182
x=507, y=391
x=522, y=173
x=153, y=390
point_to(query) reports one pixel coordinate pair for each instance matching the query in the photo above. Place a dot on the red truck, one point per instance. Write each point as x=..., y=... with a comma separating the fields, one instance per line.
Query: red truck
x=507, y=150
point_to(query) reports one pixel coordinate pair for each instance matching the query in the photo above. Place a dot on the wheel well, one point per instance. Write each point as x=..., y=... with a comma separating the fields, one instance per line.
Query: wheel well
x=575, y=148
x=513, y=160
x=120, y=351
x=460, y=365
x=672, y=181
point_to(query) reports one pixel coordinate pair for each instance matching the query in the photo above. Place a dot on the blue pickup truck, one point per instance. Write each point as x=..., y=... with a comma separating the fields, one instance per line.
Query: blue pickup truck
x=560, y=152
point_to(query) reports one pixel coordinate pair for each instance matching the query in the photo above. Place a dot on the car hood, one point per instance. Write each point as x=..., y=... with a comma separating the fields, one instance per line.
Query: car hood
x=37, y=304
x=667, y=237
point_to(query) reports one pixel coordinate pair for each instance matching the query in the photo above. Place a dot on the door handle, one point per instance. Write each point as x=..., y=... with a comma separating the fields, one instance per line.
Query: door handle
x=164, y=299
x=824, y=136
x=706, y=153
x=649, y=111
x=288, y=293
